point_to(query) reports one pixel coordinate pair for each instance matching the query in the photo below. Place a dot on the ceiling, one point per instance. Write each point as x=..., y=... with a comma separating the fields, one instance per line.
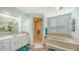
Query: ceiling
x=47, y=11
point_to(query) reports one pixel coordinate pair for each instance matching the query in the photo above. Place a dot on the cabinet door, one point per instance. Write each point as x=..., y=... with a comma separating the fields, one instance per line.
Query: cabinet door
x=16, y=43
x=37, y=30
x=4, y=45
x=25, y=40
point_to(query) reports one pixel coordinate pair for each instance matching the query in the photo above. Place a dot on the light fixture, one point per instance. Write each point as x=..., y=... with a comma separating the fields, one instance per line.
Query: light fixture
x=10, y=17
x=59, y=8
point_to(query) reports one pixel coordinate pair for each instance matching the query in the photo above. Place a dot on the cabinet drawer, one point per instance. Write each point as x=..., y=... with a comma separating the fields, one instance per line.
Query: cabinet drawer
x=16, y=43
x=4, y=45
x=25, y=40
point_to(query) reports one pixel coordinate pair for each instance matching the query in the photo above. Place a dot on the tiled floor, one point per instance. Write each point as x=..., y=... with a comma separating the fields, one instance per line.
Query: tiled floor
x=26, y=48
x=40, y=49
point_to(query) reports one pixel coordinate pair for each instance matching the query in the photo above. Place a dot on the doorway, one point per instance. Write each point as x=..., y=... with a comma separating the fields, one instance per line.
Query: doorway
x=38, y=44
x=37, y=30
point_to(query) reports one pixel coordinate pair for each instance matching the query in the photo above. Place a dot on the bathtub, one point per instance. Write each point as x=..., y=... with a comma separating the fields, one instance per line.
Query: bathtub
x=62, y=43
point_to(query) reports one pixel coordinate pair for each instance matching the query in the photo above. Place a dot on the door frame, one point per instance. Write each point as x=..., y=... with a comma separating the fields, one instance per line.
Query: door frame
x=42, y=28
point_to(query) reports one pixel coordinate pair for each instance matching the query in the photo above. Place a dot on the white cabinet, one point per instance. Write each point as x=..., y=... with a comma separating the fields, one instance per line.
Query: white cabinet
x=11, y=42
x=16, y=43
x=25, y=40
x=5, y=45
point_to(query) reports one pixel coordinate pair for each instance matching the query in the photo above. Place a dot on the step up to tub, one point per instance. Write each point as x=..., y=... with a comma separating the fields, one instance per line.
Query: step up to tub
x=59, y=35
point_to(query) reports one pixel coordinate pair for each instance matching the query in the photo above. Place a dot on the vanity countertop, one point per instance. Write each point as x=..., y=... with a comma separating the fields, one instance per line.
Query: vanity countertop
x=7, y=35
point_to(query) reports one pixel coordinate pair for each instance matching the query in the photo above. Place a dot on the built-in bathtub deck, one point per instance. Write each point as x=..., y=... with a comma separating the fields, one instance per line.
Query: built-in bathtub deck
x=60, y=35
x=62, y=42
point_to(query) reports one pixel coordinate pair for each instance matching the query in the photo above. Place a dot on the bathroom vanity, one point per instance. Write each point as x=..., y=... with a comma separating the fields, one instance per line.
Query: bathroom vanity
x=13, y=41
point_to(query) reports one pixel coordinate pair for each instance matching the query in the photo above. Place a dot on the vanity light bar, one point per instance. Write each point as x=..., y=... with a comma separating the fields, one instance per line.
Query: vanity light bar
x=7, y=16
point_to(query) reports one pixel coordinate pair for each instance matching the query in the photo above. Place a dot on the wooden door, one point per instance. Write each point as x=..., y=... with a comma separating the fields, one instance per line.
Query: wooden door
x=37, y=30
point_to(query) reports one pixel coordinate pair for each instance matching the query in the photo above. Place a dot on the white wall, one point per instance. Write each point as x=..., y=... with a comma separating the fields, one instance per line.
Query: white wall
x=59, y=24
x=75, y=14
x=51, y=13
x=47, y=11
